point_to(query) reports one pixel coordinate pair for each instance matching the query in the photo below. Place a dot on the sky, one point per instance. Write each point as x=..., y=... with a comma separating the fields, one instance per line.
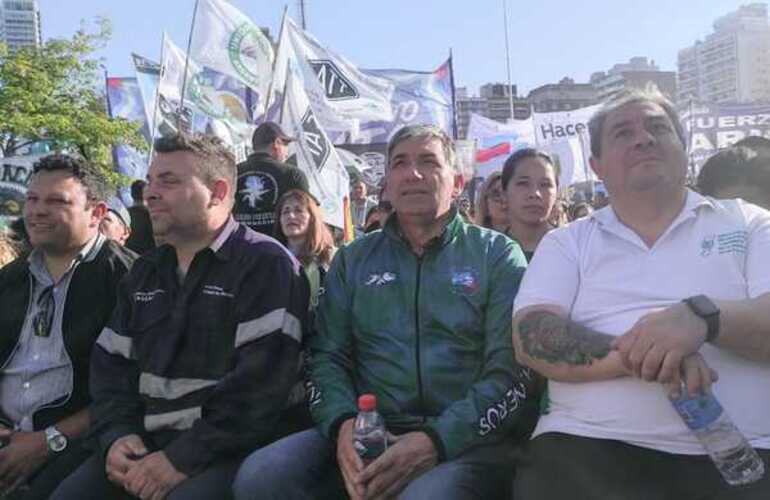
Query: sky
x=549, y=39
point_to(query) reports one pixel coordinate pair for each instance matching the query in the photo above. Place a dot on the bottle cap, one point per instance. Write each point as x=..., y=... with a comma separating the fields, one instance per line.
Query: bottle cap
x=367, y=402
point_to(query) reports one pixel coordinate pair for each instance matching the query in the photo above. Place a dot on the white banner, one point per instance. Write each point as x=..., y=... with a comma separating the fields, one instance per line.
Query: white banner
x=562, y=125
x=227, y=41
x=571, y=158
x=341, y=94
x=496, y=141
x=564, y=135
x=315, y=154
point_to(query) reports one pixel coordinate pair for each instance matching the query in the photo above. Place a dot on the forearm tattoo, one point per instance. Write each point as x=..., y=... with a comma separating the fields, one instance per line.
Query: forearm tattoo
x=547, y=336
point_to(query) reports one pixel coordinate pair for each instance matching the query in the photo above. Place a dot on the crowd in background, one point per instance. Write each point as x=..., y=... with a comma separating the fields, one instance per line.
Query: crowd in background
x=739, y=171
x=344, y=300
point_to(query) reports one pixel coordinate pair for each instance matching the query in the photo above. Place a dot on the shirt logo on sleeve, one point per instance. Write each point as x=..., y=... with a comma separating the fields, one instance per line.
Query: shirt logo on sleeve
x=495, y=414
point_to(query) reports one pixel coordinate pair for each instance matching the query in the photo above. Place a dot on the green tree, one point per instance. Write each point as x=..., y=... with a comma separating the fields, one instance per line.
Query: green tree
x=56, y=93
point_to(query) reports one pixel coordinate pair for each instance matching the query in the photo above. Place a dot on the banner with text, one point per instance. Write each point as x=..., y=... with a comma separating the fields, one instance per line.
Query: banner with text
x=315, y=154
x=14, y=178
x=711, y=127
x=562, y=135
x=418, y=97
x=360, y=106
x=341, y=94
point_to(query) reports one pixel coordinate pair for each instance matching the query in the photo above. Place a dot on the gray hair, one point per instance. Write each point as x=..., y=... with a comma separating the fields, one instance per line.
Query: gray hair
x=628, y=96
x=428, y=132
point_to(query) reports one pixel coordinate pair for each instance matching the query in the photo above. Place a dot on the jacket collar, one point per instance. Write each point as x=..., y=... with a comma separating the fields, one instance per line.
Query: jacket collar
x=221, y=247
x=453, y=226
x=86, y=254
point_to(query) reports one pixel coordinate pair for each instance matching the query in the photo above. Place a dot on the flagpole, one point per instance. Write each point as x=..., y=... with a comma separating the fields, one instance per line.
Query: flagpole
x=689, y=145
x=302, y=14
x=275, y=59
x=156, y=104
x=508, y=57
x=187, y=63
x=107, y=90
x=285, y=86
x=109, y=111
x=455, y=133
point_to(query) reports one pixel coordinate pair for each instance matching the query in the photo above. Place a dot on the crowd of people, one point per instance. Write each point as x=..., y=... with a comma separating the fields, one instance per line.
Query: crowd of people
x=212, y=340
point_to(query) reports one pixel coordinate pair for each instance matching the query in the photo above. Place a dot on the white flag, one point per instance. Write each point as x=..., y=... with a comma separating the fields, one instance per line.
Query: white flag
x=204, y=108
x=316, y=156
x=226, y=40
x=172, y=71
x=341, y=94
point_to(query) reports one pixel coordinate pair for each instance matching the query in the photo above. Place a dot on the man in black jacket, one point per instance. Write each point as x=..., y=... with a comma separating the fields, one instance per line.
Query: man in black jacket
x=55, y=303
x=264, y=177
x=195, y=365
x=140, y=239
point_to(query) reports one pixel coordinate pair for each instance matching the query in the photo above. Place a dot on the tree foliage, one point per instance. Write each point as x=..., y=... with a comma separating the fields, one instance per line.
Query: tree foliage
x=56, y=93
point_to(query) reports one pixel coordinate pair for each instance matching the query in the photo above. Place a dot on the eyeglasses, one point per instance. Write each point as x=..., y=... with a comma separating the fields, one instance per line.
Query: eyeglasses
x=45, y=309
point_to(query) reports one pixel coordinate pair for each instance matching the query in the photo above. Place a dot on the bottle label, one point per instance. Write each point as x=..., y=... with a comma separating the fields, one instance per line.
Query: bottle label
x=369, y=449
x=698, y=412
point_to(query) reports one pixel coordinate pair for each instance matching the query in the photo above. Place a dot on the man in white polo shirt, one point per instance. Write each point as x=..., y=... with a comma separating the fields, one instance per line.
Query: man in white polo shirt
x=615, y=308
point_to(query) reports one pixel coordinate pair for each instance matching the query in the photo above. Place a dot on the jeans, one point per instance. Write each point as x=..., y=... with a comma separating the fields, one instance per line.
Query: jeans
x=303, y=467
x=90, y=482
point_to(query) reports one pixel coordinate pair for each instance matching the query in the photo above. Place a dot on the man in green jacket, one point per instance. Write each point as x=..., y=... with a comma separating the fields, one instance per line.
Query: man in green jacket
x=418, y=315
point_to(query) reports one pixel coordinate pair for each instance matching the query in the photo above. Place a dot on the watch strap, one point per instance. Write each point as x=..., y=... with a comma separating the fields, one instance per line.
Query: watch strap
x=711, y=317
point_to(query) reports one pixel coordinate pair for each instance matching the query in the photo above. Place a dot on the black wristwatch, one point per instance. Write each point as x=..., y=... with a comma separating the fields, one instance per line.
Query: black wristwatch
x=705, y=308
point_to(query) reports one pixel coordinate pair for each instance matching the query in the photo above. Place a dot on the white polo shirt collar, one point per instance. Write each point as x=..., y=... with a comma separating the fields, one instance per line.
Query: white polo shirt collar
x=608, y=220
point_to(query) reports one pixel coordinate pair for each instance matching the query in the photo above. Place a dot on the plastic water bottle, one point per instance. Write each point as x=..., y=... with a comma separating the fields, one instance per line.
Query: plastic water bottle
x=733, y=456
x=370, y=438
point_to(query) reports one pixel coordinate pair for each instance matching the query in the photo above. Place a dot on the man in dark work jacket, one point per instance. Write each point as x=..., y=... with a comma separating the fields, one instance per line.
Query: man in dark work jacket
x=196, y=363
x=264, y=177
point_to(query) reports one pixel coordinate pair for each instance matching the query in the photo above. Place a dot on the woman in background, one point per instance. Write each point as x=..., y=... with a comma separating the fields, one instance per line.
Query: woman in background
x=491, y=209
x=530, y=183
x=300, y=227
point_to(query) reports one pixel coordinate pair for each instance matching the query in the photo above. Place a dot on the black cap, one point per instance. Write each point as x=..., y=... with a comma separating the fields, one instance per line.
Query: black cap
x=268, y=132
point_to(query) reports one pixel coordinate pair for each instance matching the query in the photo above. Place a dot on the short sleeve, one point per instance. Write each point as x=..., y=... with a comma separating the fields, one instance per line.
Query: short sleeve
x=758, y=251
x=553, y=275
